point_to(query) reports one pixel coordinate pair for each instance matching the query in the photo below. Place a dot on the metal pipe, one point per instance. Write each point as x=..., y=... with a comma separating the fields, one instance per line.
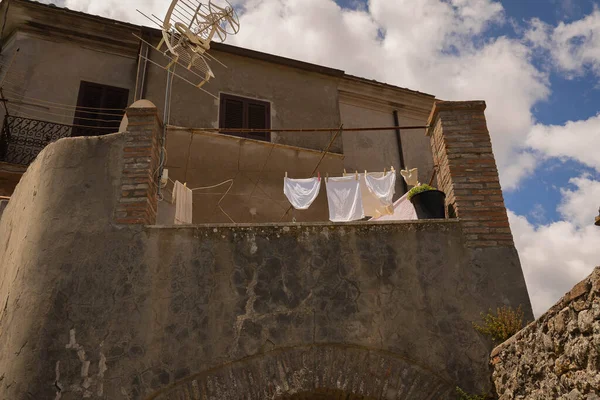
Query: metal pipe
x=166, y=118
x=400, y=149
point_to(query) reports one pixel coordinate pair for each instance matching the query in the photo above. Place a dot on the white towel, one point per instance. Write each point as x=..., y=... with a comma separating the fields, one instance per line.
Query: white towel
x=301, y=192
x=383, y=188
x=344, y=199
x=373, y=206
x=182, y=196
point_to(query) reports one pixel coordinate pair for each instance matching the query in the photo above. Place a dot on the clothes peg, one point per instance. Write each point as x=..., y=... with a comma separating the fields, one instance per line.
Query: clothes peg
x=345, y=173
x=356, y=175
x=393, y=169
x=384, y=172
x=365, y=172
x=286, y=174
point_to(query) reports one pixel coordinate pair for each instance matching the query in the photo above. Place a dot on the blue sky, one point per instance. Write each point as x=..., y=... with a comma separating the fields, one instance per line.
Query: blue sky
x=571, y=100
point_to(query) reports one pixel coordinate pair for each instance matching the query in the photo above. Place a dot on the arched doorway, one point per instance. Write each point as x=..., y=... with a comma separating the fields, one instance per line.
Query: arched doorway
x=325, y=394
x=319, y=372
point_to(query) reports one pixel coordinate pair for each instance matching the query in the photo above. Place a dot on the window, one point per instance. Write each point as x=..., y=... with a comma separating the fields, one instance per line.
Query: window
x=91, y=120
x=243, y=113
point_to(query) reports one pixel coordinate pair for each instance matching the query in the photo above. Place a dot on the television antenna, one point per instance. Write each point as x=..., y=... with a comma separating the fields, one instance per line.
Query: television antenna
x=188, y=29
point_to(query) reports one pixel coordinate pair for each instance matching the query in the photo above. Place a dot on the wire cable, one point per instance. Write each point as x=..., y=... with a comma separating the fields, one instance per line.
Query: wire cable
x=33, y=117
x=62, y=104
x=68, y=116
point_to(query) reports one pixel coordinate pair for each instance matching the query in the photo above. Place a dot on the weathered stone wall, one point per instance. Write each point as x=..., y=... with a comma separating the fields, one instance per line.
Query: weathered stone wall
x=103, y=311
x=557, y=356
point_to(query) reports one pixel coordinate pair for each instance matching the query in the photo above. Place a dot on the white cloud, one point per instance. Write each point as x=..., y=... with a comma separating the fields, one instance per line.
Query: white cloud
x=579, y=140
x=556, y=256
x=581, y=205
x=575, y=46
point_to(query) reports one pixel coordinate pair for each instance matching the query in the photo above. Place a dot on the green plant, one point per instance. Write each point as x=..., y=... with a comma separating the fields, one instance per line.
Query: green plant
x=419, y=189
x=462, y=395
x=502, y=325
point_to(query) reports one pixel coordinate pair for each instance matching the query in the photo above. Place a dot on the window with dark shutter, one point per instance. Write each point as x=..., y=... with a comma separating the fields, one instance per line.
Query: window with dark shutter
x=100, y=109
x=244, y=113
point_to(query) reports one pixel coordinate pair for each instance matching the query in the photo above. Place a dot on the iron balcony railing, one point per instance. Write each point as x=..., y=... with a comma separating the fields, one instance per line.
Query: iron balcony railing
x=22, y=139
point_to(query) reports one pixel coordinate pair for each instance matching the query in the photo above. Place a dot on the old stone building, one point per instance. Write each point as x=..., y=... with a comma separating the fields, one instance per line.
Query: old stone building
x=99, y=299
x=67, y=58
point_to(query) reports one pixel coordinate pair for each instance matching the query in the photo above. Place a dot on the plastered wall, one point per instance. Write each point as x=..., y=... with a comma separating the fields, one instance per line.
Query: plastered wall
x=256, y=170
x=51, y=70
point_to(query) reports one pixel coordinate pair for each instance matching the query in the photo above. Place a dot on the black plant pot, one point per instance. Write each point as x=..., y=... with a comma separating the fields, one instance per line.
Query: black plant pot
x=430, y=204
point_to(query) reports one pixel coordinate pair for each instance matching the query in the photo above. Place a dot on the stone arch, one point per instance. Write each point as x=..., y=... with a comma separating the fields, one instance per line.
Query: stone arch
x=314, y=372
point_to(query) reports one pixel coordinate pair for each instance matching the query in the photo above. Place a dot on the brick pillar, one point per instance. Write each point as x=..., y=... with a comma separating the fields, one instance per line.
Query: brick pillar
x=467, y=172
x=138, y=202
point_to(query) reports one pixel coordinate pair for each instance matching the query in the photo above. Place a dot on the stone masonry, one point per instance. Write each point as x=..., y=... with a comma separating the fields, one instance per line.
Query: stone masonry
x=557, y=356
x=467, y=172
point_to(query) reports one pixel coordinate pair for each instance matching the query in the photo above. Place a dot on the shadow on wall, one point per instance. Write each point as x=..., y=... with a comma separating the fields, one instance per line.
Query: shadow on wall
x=253, y=173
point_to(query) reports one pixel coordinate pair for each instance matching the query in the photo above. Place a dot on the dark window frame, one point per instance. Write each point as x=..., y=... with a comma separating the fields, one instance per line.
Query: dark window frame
x=110, y=97
x=246, y=104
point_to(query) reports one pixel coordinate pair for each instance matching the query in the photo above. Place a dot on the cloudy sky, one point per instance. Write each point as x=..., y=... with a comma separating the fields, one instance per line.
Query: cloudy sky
x=535, y=62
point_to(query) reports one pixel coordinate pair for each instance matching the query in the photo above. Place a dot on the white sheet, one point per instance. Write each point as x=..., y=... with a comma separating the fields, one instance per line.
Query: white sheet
x=344, y=199
x=383, y=188
x=372, y=204
x=182, y=196
x=301, y=192
x=403, y=211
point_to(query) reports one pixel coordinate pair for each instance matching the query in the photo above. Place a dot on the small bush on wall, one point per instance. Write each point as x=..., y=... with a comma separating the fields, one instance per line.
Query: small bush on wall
x=501, y=325
x=462, y=395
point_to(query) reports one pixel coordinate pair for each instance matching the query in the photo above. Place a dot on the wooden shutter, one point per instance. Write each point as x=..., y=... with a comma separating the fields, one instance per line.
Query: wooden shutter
x=258, y=118
x=99, y=97
x=232, y=114
x=244, y=113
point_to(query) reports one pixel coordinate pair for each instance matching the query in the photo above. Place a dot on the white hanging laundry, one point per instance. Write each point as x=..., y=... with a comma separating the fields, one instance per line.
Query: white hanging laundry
x=344, y=199
x=372, y=204
x=301, y=192
x=403, y=211
x=383, y=188
x=182, y=196
x=411, y=176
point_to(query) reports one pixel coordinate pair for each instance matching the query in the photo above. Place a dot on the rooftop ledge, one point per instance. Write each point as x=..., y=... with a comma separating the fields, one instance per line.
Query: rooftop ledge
x=359, y=224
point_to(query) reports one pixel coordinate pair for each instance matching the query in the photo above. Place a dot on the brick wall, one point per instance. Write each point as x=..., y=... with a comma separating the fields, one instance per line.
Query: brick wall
x=138, y=202
x=467, y=172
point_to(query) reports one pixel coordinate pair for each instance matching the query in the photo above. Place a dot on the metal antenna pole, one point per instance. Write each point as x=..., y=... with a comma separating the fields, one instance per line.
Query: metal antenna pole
x=166, y=120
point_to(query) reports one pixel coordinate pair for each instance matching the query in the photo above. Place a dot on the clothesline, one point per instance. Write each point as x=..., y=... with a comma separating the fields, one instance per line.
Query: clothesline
x=302, y=130
x=356, y=173
x=351, y=197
